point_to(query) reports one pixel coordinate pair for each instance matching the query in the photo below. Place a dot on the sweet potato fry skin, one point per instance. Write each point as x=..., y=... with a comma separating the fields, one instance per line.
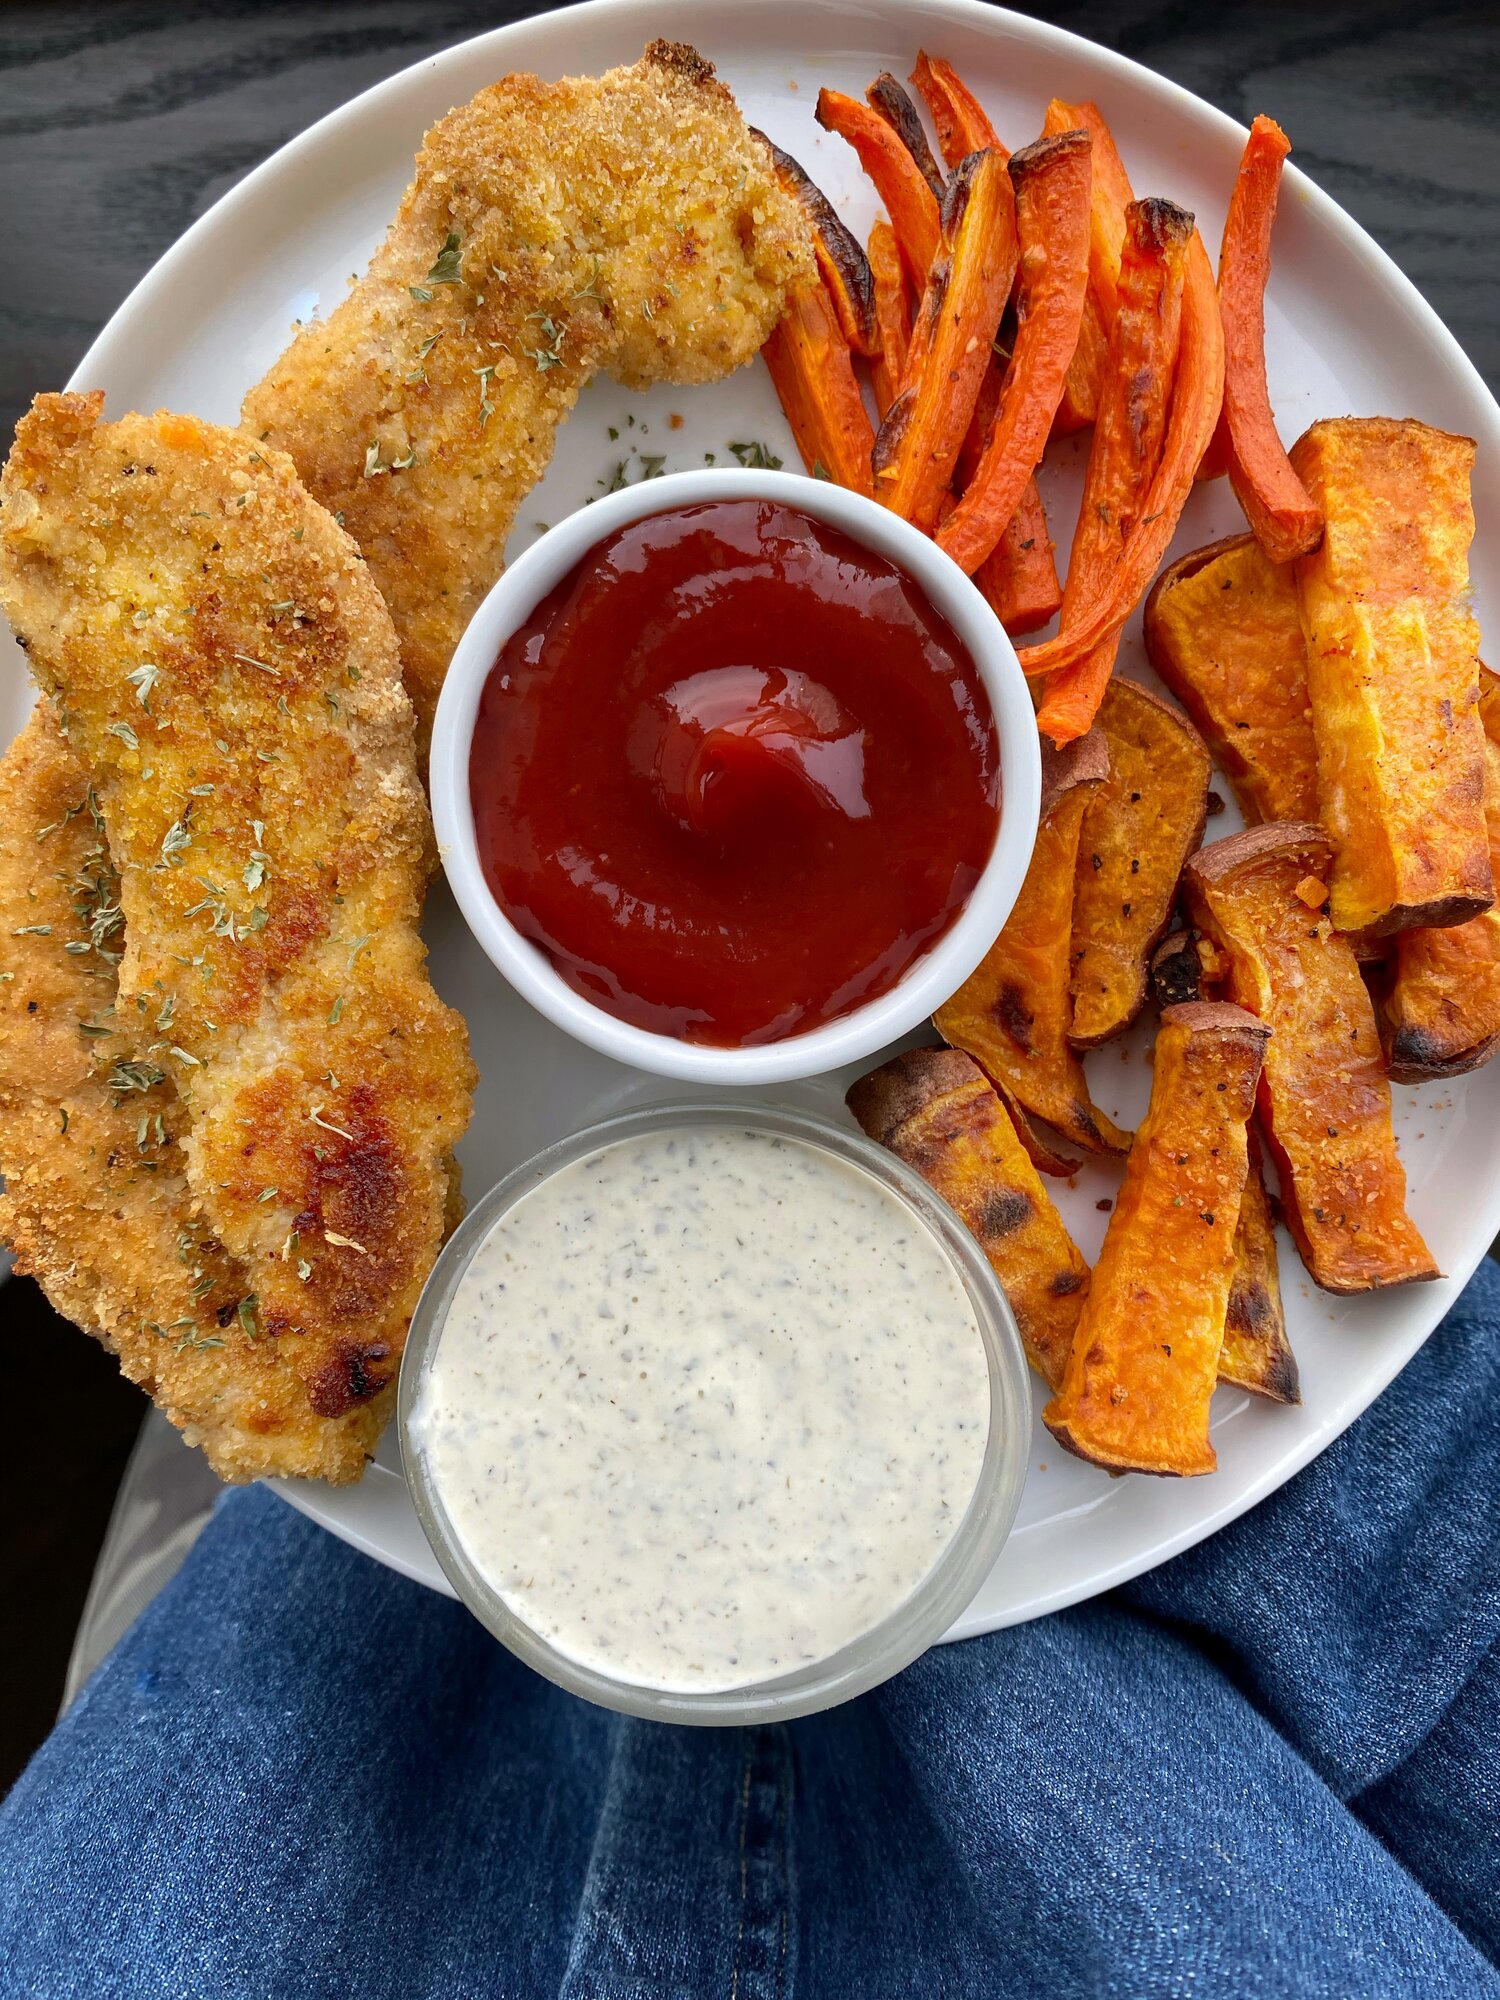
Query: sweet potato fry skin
x=1051, y=182
x=1135, y=1395
x=1441, y=1013
x=1286, y=520
x=808, y=360
x=1223, y=630
x=936, y=1110
x=1392, y=673
x=1256, y=1354
x=970, y=280
x=1012, y=1013
x=1139, y=828
x=1325, y=1101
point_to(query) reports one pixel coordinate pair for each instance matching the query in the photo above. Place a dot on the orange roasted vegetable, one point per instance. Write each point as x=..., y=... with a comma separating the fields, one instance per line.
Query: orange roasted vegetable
x=1393, y=673
x=1325, y=1102
x=1086, y=371
x=1127, y=445
x=1139, y=828
x=1286, y=519
x=1110, y=195
x=809, y=362
x=959, y=119
x=842, y=265
x=1440, y=1014
x=1019, y=575
x=887, y=96
x=1223, y=630
x=1135, y=1395
x=1256, y=1354
x=1196, y=395
x=919, y=441
x=892, y=315
x=909, y=201
x=936, y=1110
x=1052, y=190
x=1012, y=1013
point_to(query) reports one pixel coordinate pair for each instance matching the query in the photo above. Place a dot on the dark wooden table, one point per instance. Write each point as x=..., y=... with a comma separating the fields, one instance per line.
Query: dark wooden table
x=121, y=120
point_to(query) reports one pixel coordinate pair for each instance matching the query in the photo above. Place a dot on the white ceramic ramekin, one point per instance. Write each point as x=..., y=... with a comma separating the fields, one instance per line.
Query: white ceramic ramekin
x=934, y=976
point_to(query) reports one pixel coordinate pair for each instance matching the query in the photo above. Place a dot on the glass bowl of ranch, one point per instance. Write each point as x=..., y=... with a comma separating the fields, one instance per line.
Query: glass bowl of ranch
x=715, y=1413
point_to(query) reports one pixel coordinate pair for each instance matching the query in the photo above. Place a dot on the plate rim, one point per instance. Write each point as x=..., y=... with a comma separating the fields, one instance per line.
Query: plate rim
x=666, y=18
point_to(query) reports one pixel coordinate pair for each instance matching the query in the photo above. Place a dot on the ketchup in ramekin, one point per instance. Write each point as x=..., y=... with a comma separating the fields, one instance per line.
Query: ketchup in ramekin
x=734, y=774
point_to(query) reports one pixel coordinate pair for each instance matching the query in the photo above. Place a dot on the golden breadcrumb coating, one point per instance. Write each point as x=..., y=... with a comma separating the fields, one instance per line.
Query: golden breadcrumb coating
x=227, y=675
x=628, y=222
x=96, y=1202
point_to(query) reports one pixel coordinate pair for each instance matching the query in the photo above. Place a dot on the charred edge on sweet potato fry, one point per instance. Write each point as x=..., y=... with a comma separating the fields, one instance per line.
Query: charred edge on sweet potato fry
x=889, y=97
x=1256, y=1354
x=1324, y=1100
x=1223, y=630
x=1139, y=828
x=1176, y=970
x=1136, y=1391
x=909, y=201
x=1011, y=1014
x=935, y=1109
x=842, y=265
x=1392, y=673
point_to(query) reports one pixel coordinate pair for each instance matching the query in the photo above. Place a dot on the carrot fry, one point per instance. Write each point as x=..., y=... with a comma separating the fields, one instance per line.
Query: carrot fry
x=842, y=265
x=1286, y=519
x=1052, y=225
x=1196, y=396
x=1110, y=194
x=1085, y=378
x=962, y=126
x=909, y=201
x=920, y=439
x=1018, y=577
x=811, y=368
x=892, y=314
x=1215, y=461
x=887, y=96
x=1127, y=445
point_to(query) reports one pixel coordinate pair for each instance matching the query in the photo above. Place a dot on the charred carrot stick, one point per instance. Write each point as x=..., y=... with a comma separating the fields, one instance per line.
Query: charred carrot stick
x=909, y=201
x=887, y=96
x=1019, y=575
x=959, y=118
x=892, y=314
x=842, y=265
x=919, y=441
x=813, y=373
x=1051, y=180
x=1197, y=393
x=1127, y=446
x=1286, y=520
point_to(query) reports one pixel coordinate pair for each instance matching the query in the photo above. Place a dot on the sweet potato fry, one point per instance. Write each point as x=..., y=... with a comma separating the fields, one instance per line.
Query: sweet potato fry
x=1324, y=1100
x=1176, y=971
x=1139, y=828
x=809, y=362
x=1440, y=1014
x=1196, y=395
x=892, y=315
x=1256, y=1354
x=936, y=1110
x=909, y=201
x=1136, y=1391
x=957, y=115
x=1127, y=445
x=842, y=265
x=1286, y=520
x=1223, y=630
x=1392, y=673
x=888, y=96
x=1051, y=182
x=920, y=439
x=1019, y=575
x=1011, y=1014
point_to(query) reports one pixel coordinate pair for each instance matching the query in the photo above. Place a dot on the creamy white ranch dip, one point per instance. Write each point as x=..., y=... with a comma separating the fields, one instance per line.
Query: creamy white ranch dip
x=707, y=1406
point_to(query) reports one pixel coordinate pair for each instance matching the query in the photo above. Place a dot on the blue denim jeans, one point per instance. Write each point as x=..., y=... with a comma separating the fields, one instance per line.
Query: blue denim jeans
x=1270, y=1768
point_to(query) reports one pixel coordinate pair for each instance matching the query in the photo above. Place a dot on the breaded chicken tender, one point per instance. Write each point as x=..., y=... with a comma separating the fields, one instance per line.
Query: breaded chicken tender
x=97, y=1203
x=628, y=222
x=227, y=675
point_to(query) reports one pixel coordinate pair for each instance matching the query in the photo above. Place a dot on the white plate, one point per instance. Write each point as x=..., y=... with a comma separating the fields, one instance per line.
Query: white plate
x=1347, y=333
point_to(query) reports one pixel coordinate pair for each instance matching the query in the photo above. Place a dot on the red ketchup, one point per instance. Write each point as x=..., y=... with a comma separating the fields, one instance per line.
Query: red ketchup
x=734, y=775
